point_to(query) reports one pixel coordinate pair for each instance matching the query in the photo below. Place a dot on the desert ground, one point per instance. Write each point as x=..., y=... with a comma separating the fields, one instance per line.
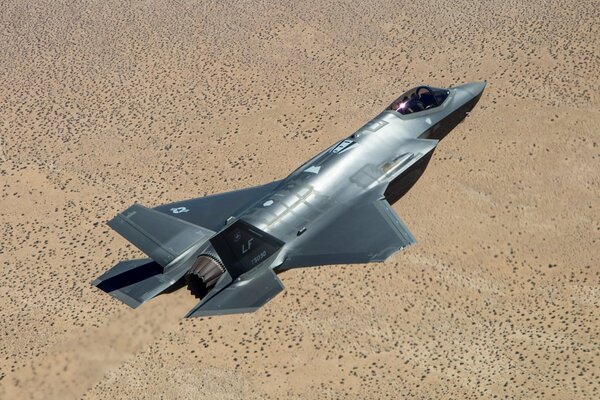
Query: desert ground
x=106, y=103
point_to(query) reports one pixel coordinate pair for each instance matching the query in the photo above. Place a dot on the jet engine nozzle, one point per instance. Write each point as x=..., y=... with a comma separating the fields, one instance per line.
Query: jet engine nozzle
x=204, y=274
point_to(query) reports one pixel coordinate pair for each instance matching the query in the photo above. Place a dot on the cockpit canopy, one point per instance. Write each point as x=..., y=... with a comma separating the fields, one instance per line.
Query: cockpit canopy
x=419, y=99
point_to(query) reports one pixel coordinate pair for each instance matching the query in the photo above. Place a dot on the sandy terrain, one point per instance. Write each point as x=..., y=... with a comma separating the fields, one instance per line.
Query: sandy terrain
x=103, y=104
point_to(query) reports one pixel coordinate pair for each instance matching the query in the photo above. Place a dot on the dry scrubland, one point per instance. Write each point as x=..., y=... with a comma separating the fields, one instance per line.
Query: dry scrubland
x=103, y=104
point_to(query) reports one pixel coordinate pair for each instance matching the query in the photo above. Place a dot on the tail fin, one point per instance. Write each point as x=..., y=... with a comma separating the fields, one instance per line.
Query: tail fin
x=165, y=239
x=162, y=237
x=136, y=281
x=242, y=246
x=246, y=294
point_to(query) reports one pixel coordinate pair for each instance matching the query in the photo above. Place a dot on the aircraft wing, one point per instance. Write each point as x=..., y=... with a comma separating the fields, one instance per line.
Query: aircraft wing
x=364, y=233
x=212, y=211
x=160, y=236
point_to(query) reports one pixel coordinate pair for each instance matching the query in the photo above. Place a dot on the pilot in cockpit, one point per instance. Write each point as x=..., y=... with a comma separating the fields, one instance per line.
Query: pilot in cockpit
x=400, y=104
x=415, y=104
x=419, y=99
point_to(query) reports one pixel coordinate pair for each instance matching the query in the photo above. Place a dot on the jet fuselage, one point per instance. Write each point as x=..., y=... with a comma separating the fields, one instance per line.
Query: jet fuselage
x=374, y=156
x=334, y=209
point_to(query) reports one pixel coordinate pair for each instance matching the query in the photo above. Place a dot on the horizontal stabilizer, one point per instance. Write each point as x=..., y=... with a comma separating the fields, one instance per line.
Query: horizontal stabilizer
x=244, y=295
x=136, y=281
x=365, y=233
x=160, y=236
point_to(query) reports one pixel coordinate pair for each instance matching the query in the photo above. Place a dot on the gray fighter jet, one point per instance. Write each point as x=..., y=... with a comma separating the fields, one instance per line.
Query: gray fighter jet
x=335, y=209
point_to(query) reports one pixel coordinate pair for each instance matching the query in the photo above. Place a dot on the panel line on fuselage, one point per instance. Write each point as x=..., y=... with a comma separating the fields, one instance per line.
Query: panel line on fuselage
x=290, y=210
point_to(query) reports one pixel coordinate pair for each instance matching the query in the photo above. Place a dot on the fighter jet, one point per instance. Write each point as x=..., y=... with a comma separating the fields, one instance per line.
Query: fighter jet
x=335, y=209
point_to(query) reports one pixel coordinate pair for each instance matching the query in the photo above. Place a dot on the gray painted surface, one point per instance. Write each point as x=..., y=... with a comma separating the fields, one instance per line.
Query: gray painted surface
x=334, y=209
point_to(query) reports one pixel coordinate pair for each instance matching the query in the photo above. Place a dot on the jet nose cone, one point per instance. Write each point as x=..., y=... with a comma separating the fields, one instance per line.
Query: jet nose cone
x=474, y=88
